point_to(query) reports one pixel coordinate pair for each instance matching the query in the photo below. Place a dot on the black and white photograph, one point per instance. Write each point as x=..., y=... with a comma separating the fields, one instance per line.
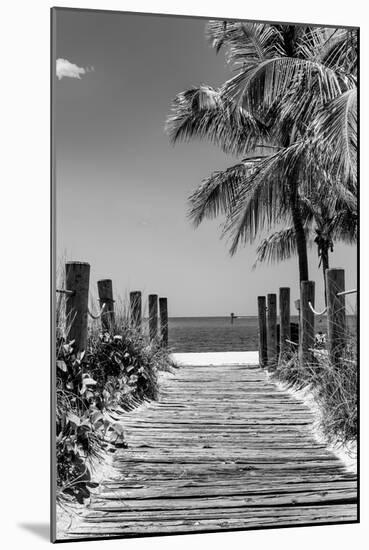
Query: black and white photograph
x=204, y=274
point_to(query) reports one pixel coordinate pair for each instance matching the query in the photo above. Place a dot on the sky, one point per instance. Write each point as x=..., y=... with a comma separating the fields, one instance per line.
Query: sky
x=122, y=188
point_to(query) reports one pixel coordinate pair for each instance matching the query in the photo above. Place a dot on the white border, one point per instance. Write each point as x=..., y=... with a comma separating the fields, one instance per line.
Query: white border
x=24, y=379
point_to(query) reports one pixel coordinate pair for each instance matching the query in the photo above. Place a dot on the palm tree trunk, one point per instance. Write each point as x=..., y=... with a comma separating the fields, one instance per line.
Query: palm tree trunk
x=293, y=182
x=299, y=232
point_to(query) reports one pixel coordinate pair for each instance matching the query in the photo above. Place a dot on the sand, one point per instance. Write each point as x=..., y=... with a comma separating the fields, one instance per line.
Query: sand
x=216, y=358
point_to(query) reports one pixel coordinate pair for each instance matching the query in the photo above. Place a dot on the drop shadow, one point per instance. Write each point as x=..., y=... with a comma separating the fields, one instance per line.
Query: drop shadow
x=42, y=530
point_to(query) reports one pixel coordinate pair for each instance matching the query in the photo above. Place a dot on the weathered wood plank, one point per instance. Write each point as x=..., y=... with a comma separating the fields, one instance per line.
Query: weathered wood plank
x=222, y=448
x=281, y=517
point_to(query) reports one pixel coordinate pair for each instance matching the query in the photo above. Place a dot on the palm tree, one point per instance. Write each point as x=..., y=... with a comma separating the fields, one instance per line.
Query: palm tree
x=326, y=219
x=293, y=94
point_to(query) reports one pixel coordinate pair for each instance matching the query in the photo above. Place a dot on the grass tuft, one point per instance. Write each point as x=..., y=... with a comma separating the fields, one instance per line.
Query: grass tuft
x=334, y=387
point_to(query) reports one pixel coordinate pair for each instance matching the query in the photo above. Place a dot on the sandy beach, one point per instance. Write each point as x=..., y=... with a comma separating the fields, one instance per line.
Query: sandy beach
x=216, y=358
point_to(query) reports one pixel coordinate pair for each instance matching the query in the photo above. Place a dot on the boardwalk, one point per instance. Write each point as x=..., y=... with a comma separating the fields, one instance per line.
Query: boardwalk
x=222, y=449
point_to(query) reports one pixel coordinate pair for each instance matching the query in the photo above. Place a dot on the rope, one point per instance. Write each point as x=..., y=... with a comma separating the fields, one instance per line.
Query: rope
x=64, y=291
x=317, y=312
x=99, y=314
x=344, y=292
x=290, y=342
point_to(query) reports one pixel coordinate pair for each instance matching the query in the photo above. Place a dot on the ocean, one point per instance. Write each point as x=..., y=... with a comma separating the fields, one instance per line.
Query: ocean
x=196, y=334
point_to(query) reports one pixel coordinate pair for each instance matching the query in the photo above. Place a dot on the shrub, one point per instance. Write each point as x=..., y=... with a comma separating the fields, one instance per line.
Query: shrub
x=117, y=371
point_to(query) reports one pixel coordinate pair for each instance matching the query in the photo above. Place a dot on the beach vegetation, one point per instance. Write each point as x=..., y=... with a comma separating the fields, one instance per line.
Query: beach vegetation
x=117, y=371
x=332, y=385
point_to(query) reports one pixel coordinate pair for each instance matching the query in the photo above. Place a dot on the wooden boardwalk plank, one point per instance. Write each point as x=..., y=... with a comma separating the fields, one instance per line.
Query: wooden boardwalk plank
x=222, y=448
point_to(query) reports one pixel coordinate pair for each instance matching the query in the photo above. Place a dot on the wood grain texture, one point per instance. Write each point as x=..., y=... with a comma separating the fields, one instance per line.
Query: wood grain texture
x=336, y=313
x=307, y=327
x=285, y=322
x=163, y=309
x=221, y=449
x=272, y=330
x=263, y=348
x=105, y=290
x=153, y=316
x=77, y=279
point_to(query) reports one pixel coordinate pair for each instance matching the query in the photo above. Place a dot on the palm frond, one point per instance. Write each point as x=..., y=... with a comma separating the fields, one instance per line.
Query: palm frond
x=245, y=42
x=336, y=48
x=313, y=41
x=219, y=193
x=269, y=81
x=263, y=198
x=335, y=134
x=335, y=197
x=278, y=247
x=345, y=227
x=203, y=113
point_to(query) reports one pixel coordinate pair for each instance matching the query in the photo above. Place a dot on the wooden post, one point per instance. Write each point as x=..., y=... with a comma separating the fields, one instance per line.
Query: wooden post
x=285, y=322
x=77, y=279
x=297, y=306
x=307, y=329
x=105, y=289
x=163, y=307
x=272, y=330
x=153, y=316
x=135, y=299
x=336, y=310
x=263, y=355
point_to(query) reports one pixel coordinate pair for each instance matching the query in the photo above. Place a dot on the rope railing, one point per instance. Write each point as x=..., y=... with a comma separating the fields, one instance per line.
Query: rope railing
x=64, y=291
x=277, y=334
x=290, y=342
x=317, y=312
x=99, y=314
x=344, y=292
x=77, y=281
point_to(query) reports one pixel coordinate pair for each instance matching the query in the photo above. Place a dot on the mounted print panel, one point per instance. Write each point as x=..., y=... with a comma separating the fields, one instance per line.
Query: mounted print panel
x=204, y=181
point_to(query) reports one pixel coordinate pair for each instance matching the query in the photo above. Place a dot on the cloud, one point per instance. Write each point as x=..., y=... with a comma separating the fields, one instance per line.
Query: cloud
x=65, y=68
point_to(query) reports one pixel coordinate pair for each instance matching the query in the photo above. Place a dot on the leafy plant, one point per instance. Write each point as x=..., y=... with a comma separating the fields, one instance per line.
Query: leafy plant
x=116, y=372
